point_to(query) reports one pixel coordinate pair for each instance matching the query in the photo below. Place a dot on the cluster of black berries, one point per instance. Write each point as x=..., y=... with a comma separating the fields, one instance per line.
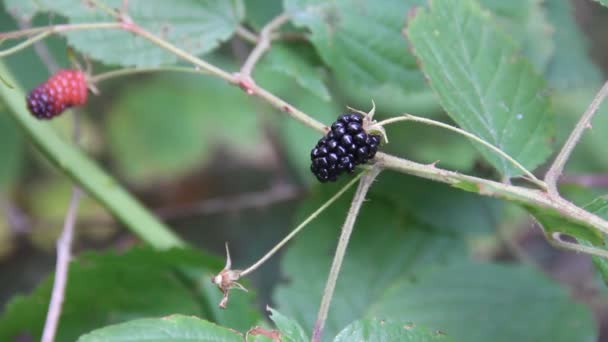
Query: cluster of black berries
x=344, y=147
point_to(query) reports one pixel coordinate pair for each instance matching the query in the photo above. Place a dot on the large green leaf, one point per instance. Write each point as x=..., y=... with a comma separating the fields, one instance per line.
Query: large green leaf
x=361, y=43
x=387, y=243
x=526, y=22
x=197, y=26
x=167, y=126
x=388, y=330
x=166, y=329
x=107, y=289
x=482, y=82
x=505, y=303
x=571, y=65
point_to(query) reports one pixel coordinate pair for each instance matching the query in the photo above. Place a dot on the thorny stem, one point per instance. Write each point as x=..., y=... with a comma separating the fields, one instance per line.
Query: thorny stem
x=301, y=226
x=409, y=117
x=482, y=186
x=557, y=167
x=347, y=229
x=263, y=43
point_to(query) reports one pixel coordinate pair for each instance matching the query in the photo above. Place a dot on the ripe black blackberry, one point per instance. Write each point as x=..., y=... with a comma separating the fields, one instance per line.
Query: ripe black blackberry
x=345, y=146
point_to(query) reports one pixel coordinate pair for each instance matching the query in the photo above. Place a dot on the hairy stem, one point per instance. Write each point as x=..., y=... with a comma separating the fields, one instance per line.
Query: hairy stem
x=523, y=196
x=347, y=229
x=557, y=167
x=300, y=227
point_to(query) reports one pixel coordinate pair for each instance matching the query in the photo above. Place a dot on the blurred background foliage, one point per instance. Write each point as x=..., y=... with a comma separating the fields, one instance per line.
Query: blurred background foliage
x=220, y=166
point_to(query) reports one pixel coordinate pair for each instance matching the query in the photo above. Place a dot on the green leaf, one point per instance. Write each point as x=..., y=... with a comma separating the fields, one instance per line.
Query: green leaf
x=507, y=303
x=197, y=26
x=108, y=288
x=483, y=84
x=83, y=171
x=361, y=43
x=388, y=330
x=169, y=329
x=298, y=65
x=571, y=65
x=386, y=244
x=526, y=21
x=11, y=150
x=291, y=331
x=167, y=126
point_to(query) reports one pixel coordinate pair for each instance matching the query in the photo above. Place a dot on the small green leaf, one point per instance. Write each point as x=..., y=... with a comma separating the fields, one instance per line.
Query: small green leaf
x=388, y=330
x=169, y=329
x=109, y=288
x=482, y=82
x=197, y=26
x=507, y=303
x=362, y=44
x=291, y=331
x=298, y=65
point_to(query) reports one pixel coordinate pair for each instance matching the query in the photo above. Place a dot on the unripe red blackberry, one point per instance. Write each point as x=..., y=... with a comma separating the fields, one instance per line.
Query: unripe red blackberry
x=64, y=89
x=345, y=146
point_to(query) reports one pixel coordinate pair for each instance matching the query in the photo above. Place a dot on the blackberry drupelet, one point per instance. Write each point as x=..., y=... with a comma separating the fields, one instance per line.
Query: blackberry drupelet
x=344, y=147
x=64, y=89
